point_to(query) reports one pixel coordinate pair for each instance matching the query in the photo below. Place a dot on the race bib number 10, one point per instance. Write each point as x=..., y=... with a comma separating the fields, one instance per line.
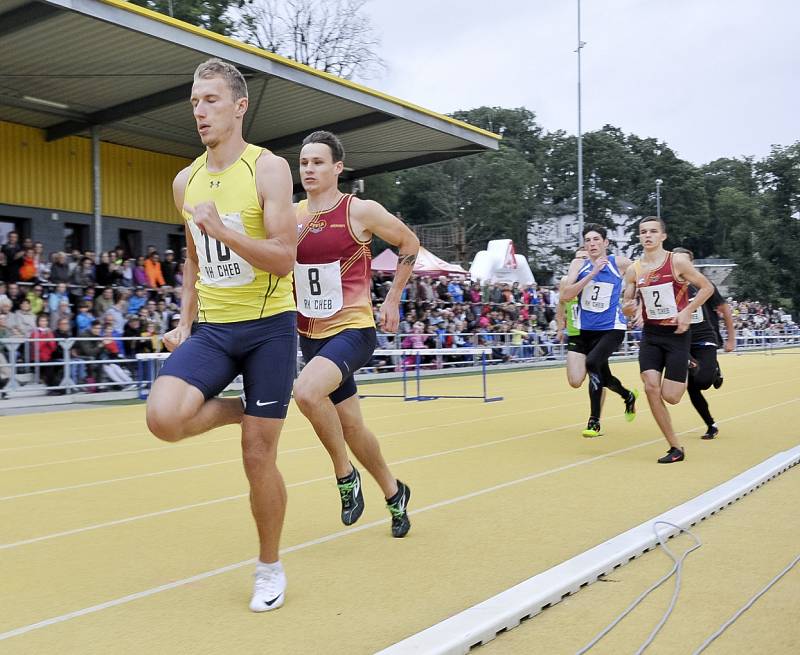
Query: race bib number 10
x=219, y=265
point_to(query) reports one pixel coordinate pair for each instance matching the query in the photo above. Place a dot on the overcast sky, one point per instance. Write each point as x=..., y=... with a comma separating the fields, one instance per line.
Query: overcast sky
x=712, y=78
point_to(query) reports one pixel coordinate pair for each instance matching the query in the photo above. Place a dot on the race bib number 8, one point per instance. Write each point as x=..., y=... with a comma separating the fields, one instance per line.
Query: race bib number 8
x=659, y=301
x=596, y=297
x=219, y=265
x=318, y=288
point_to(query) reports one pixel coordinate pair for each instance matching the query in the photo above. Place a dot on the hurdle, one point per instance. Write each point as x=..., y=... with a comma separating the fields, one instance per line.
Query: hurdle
x=418, y=354
x=149, y=365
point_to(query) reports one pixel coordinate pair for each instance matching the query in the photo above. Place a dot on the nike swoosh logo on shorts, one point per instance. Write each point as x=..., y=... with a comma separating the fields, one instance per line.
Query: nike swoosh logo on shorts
x=269, y=402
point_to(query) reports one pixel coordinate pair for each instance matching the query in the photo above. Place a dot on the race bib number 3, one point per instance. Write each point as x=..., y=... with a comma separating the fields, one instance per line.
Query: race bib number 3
x=219, y=265
x=318, y=288
x=659, y=301
x=596, y=297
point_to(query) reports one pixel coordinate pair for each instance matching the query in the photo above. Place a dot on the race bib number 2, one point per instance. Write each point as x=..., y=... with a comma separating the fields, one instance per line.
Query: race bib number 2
x=318, y=288
x=219, y=265
x=659, y=301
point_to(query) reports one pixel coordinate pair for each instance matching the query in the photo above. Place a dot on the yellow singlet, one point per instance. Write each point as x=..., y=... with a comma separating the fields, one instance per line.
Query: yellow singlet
x=229, y=288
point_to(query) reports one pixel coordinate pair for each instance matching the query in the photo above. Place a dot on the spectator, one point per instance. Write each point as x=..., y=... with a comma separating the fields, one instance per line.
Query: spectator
x=169, y=267
x=104, y=302
x=29, y=268
x=89, y=347
x=35, y=297
x=105, y=274
x=59, y=269
x=4, y=275
x=83, y=275
x=56, y=296
x=23, y=321
x=84, y=320
x=137, y=300
x=44, y=346
x=64, y=311
x=152, y=267
x=140, y=278
x=13, y=252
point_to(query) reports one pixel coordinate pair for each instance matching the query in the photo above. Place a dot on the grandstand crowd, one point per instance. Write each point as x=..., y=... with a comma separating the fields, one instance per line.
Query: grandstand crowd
x=118, y=306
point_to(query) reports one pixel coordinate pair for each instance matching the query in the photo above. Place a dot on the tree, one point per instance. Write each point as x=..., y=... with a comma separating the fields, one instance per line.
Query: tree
x=212, y=15
x=333, y=36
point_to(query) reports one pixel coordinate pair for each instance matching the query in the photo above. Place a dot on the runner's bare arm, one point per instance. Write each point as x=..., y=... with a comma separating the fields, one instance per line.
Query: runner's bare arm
x=724, y=310
x=370, y=216
x=685, y=270
x=573, y=288
x=629, y=302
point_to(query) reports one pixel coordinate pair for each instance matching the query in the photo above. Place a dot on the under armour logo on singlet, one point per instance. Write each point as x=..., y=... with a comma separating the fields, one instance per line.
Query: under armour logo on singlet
x=214, y=184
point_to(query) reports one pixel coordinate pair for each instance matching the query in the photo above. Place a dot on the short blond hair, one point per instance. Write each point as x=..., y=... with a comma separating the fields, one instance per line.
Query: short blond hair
x=217, y=68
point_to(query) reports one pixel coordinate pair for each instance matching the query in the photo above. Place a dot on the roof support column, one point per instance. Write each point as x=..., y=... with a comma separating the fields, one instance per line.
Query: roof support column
x=97, y=206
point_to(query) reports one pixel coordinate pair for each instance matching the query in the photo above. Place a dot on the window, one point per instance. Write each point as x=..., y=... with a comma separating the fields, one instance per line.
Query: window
x=176, y=242
x=76, y=237
x=22, y=226
x=131, y=242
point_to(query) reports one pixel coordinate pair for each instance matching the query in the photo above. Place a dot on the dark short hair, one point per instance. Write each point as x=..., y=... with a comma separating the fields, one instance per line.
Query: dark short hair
x=684, y=251
x=660, y=221
x=594, y=227
x=330, y=140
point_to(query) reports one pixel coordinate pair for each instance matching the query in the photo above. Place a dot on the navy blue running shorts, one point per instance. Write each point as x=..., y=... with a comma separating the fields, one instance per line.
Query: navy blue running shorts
x=263, y=350
x=349, y=350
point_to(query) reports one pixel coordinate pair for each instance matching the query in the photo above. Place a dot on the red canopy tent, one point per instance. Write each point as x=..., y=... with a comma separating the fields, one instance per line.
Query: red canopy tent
x=427, y=264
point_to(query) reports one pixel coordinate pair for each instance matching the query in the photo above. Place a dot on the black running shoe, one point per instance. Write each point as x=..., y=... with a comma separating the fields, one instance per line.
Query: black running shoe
x=718, y=380
x=397, y=506
x=673, y=455
x=712, y=432
x=352, y=498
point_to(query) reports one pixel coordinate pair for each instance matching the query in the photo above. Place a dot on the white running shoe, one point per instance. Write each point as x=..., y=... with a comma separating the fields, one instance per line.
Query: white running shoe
x=270, y=588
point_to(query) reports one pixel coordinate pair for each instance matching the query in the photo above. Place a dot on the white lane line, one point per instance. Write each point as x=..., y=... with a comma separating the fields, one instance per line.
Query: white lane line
x=305, y=448
x=322, y=479
x=288, y=430
x=291, y=549
x=337, y=535
x=145, y=433
x=166, y=447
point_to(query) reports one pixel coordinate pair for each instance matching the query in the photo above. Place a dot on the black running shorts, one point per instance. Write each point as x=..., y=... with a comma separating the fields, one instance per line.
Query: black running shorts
x=663, y=350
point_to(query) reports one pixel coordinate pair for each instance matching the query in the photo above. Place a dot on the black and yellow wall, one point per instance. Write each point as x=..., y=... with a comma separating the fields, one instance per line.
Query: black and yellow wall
x=46, y=191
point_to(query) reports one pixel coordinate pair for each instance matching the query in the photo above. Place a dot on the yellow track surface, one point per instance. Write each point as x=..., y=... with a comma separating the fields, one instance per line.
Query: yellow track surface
x=109, y=532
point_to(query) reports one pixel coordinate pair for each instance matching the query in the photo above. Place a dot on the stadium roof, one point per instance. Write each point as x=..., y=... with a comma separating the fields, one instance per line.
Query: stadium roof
x=68, y=65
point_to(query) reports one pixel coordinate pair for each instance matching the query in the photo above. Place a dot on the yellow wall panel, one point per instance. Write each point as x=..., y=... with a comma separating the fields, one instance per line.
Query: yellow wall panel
x=138, y=183
x=36, y=173
x=58, y=175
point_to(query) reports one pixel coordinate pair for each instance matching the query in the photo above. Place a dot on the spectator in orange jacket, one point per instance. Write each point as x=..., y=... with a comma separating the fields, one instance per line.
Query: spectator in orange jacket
x=152, y=267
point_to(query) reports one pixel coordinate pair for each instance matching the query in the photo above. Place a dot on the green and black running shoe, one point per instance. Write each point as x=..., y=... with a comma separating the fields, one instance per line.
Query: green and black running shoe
x=397, y=506
x=592, y=429
x=352, y=498
x=630, y=405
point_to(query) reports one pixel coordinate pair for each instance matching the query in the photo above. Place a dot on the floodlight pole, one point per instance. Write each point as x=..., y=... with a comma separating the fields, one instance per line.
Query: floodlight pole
x=580, y=133
x=659, y=182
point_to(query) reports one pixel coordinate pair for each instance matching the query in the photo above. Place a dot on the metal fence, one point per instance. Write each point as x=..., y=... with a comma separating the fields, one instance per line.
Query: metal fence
x=23, y=374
